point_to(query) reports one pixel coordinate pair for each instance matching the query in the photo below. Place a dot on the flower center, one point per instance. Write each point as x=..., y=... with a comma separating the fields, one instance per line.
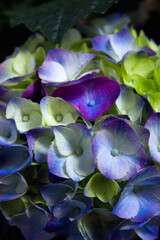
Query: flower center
x=25, y=118
x=79, y=151
x=158, y=147
x=59, y=117
x=114, y=152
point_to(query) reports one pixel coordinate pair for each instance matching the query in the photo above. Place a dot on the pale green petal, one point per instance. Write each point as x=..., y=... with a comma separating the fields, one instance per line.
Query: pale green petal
x=101, y=187
x=24, y=63
x=144, y=67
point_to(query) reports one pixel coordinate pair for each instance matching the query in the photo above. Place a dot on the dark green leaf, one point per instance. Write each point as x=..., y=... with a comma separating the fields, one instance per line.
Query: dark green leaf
x=54, y=18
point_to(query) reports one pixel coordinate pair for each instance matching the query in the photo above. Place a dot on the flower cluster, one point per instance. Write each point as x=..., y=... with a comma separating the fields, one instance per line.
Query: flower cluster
x=80, y=135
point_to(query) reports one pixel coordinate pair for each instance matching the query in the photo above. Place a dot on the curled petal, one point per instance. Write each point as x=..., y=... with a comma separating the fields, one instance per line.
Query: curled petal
x=12, y=187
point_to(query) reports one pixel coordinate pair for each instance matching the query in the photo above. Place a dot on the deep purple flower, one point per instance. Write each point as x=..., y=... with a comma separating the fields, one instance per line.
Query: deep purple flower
x=92, y=97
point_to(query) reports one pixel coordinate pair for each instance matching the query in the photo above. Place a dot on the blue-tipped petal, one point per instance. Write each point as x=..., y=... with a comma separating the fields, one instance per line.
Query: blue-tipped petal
x=122, y=43
x=63, y=65
x=8, y=131
x=116, y=45
x=56, y=163
x=13, y=158
x=12, y=187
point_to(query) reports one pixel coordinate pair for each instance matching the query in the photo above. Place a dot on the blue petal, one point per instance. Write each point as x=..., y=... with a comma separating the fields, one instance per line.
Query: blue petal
x=12, y=187
x=53, y=193
x=127, y=207
x=13, y=158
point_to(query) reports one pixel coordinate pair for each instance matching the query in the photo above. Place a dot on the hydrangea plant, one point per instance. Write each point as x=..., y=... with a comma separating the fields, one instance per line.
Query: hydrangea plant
x=80, y=135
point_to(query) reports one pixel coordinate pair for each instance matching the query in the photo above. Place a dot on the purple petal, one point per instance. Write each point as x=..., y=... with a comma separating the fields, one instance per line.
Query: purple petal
x=61, y=66
x=13, y=159
x=102, y=43
x=116, y=45
x=33, y=91
x=122, y=42
x=148, y=50
x=12, y=187
x=117, y=150
x=62, y=59
x=92, y=97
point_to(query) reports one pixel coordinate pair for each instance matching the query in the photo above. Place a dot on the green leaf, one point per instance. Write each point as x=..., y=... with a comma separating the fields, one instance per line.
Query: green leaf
x=101, y=187
x=13, y=207
x=54, y=18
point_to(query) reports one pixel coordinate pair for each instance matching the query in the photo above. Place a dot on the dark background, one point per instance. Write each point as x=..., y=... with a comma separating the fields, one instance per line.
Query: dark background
x=145, y=14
